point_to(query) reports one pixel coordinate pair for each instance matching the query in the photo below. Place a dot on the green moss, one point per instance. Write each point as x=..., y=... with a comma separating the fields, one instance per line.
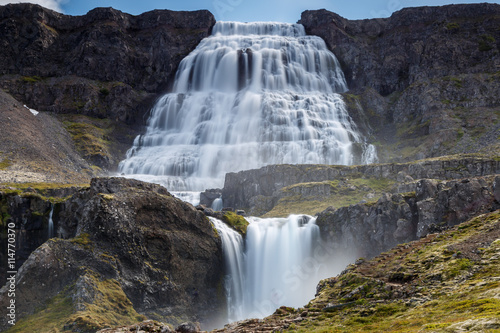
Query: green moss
x=107, y=196
x=5, y=163
x=51, y=318
x=341, y=193
x=486, y=43
x=91, y=137
x=110, y=308
x=237, y=222
x=31, y=79
x=41, y=190
x=458, y=266
x=453, y=26
x=83, y=239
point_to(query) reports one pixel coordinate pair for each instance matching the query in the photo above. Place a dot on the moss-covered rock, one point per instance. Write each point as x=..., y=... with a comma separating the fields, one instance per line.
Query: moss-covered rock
x=278, y=190
x=235, y=221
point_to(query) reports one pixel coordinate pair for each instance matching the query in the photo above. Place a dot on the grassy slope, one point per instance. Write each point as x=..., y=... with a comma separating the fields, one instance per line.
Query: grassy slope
x=342, y=192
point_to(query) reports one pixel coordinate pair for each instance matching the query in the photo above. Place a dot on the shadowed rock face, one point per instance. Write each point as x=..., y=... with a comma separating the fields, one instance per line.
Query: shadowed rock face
x=161, y=252
x=138, y=54
x=101, y=71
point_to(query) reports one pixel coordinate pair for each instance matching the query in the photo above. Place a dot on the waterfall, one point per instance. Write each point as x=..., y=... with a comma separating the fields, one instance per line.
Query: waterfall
x=232, y=248
x=217, y=205
x=249, y=95
x=51, y=222
x=281, y=263
x=192, y=197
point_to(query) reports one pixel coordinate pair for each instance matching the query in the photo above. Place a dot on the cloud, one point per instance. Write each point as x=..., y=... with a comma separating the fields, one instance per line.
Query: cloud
x=50, y=4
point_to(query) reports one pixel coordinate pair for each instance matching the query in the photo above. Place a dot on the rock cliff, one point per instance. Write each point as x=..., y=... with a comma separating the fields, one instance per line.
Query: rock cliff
x=128, y=250
x=105, y=45
x=366, y=230
x=262, y=190
x=422, y=82
x=365, y=210
x=105, y=64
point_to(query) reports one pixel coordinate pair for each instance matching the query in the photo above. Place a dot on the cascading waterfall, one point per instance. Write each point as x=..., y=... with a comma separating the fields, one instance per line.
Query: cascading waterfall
x=232, y=247
x=280, y=264
x=250, y=95
x=217, y=204
x=51, y=222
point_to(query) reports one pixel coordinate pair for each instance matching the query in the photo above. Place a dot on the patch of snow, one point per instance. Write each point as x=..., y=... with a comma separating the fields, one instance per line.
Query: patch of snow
x=35, y=112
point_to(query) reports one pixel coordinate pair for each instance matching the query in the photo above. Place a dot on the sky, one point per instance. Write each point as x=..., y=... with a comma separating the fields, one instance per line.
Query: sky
x=247, y=10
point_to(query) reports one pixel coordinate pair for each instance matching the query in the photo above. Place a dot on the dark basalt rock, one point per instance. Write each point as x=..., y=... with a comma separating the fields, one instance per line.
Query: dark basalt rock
x=105, y=64
x=390, y=54
x=422, y=82
x=161, y=251
x=371, y=229
x=258, y=191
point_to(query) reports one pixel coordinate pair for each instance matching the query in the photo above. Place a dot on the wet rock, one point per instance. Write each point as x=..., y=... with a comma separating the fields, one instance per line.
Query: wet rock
x=208, y=196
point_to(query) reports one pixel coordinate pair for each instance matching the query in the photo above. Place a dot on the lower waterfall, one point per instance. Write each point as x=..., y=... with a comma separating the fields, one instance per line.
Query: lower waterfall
x=279, y=263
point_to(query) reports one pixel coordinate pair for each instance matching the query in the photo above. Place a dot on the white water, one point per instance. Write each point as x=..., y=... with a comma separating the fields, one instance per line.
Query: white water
x=217, y=204
x=249, y=95
x=192, y=197
x=51, y=222
x=232, y=247
x=281, y=263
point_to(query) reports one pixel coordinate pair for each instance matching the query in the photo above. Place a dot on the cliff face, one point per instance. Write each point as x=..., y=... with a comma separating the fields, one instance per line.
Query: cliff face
x=365, y=210
x=128, y=249
x=413, y=44
x=260, y=191
x=105, y=64
x=422, y=81
x=366, y=230
x=120, y=59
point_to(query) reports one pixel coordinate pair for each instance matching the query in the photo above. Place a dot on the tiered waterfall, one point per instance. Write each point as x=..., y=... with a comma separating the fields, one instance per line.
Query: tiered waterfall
x=250, y=95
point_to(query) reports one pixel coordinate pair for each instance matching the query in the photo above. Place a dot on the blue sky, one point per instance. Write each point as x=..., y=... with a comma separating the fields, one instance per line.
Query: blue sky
x=247, y=10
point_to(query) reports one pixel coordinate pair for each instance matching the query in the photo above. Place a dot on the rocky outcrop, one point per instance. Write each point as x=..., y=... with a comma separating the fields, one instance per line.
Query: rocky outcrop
x=30, y=211
x=258, y=191
x=130, y=249
x=420, y=78
x=370, y=229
